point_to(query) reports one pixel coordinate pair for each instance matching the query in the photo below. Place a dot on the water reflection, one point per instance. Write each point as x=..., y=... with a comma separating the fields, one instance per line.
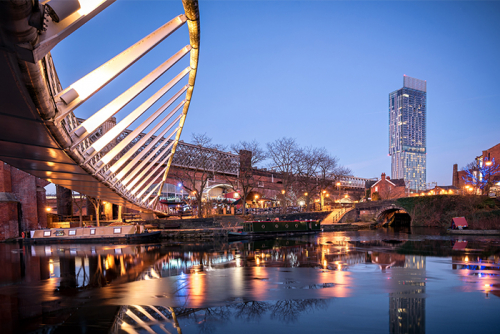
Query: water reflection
x=197, y=288
x=150, y=319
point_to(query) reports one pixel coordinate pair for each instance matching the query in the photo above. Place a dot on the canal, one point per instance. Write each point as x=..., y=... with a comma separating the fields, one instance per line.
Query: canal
x=383, y=281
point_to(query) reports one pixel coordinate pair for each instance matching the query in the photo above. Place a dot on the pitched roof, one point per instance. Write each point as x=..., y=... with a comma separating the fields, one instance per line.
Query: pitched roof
x=447, y=187
x=394, y=182
x=398, y=182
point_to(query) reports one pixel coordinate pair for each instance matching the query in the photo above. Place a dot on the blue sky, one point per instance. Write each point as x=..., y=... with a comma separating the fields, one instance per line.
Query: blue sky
x=319, y=71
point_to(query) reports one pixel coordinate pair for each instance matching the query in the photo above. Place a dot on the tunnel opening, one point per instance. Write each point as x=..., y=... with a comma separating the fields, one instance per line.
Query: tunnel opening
x=394, y=217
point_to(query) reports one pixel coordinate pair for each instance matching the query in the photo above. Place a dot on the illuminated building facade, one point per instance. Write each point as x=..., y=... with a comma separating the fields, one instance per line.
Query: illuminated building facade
x=407, y=133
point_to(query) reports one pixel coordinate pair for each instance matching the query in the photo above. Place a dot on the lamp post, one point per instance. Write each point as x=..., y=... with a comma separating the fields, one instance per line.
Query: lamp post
x=256, y=197
x=283, y=200
x=307, y=200
x=322, y=195
x=488, y=164
x=338, y=185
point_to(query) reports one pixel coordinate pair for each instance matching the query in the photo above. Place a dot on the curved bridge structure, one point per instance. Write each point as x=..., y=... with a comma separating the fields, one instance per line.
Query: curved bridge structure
x=40, y=132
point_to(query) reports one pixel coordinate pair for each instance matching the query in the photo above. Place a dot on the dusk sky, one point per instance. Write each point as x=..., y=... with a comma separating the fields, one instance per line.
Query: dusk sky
x=318, y=71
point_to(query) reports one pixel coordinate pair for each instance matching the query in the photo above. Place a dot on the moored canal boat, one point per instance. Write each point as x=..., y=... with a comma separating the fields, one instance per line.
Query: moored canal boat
x=253, y=229
x=125, y=233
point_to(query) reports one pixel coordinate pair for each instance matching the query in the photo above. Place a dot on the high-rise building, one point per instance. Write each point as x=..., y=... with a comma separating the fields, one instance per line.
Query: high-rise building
x=407, y=140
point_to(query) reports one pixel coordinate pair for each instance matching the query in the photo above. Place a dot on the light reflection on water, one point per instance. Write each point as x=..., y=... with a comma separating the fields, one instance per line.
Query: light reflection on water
x=394, y=281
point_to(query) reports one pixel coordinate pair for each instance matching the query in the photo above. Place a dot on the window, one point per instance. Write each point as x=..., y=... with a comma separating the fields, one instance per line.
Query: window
x=92, y=231
x=46, y=233
x=72, y=232
x=117, y=230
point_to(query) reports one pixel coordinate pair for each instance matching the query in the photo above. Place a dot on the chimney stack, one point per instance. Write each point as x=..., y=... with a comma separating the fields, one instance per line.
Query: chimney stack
x=455, y=180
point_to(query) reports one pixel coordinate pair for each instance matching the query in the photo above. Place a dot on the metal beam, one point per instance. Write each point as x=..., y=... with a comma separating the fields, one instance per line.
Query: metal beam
x=143, y=152
x=130, y=118
x=96, y=120
x=87, y=86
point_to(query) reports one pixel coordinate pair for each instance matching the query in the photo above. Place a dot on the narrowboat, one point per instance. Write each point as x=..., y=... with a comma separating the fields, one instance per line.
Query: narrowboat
x=126, y=233
x=268, y=228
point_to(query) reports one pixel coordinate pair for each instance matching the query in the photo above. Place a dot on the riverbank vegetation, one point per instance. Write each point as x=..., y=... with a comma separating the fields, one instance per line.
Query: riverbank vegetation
x=481, y=212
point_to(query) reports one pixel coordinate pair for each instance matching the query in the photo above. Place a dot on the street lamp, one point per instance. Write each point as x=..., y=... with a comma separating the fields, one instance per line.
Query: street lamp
x=322, y=196
x=338, y=185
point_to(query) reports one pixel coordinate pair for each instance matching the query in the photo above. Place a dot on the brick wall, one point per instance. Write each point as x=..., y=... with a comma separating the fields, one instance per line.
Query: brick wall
x=18, y=188
x=493, y=152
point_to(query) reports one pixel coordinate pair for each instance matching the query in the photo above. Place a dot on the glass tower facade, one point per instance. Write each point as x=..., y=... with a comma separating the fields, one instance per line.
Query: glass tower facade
x=407, y=126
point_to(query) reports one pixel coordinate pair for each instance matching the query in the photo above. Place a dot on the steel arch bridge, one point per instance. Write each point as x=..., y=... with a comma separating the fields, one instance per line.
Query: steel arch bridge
x=40, y=132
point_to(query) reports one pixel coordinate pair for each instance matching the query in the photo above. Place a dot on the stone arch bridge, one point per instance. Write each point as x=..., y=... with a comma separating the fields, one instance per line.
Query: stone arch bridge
x=383, y=211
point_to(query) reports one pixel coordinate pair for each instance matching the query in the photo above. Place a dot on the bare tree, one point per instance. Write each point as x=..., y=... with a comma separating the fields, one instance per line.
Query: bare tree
x=284, y=154
x=198, y=166
x=318, y=171
x=308, y=168
x=481, y=174
x=97, y=203
x=330, y=172
x=258, y=153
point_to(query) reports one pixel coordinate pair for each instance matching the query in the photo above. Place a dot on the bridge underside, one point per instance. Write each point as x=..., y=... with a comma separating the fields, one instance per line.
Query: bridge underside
x=395, y=217
x=22, y=126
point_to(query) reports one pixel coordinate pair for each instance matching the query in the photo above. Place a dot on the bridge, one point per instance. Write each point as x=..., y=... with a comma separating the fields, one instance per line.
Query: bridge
x=40, y=132
x=381, y=211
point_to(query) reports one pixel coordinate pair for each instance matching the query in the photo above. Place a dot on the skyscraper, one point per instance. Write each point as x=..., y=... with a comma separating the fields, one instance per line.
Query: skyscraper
x=407, y=140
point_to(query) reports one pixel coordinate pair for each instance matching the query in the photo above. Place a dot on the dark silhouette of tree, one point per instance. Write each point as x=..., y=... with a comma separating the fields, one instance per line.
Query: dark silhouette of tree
x=250, y=311
x=288, y=311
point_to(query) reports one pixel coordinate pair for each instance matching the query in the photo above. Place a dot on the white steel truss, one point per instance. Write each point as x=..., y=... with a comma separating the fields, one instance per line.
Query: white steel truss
x=126, y=161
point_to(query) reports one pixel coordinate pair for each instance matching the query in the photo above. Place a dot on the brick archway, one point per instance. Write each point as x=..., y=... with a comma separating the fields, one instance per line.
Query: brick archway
x=394, y=213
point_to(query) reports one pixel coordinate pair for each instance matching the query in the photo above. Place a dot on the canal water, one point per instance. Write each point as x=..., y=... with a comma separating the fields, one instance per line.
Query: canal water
x=382, y=281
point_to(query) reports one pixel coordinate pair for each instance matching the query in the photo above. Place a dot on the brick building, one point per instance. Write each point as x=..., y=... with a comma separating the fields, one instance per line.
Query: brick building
x=22, y=202
x=489, y=154
x=388, y=188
